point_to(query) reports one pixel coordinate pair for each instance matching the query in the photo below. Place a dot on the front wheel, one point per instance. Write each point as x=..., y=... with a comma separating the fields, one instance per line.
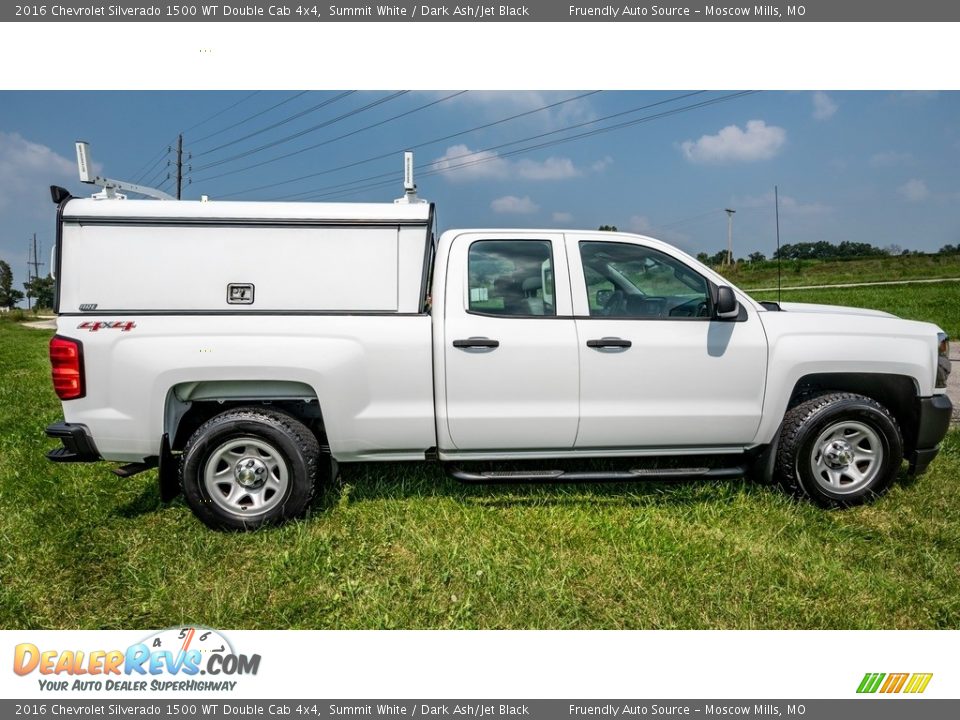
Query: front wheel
x=839, y=449
x=249, y=467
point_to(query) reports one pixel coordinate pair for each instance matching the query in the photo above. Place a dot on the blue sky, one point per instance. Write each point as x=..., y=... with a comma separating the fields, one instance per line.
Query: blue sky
x=878, y=167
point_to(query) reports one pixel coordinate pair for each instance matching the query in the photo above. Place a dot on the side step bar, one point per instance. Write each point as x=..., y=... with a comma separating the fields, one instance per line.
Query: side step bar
x=561, y=476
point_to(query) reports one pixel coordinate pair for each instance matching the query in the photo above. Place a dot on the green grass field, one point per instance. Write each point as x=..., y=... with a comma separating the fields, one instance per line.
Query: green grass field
x=402, y=546
x=822, y=272
x=937, y=302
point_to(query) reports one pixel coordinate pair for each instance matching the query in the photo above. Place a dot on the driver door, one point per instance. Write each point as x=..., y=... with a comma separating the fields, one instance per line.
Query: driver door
x=656, y=369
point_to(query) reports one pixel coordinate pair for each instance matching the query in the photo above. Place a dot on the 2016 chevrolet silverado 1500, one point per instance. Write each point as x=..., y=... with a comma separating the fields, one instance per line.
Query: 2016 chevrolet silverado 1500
x=247, y=348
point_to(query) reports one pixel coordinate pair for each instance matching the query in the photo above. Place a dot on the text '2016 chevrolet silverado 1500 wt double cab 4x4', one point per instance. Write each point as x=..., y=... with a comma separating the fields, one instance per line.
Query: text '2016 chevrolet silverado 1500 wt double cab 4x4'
x=247, y=348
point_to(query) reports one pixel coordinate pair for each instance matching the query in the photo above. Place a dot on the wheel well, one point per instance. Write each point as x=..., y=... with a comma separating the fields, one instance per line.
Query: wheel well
x=189, y=405
x=898, y=393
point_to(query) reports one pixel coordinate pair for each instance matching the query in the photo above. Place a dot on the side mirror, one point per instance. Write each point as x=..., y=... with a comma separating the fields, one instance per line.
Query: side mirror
x=726, y=306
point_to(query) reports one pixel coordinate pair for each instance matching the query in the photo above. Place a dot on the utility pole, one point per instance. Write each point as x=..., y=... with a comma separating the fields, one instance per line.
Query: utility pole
x=33, y=265
x=730, y=214
x=179, y=165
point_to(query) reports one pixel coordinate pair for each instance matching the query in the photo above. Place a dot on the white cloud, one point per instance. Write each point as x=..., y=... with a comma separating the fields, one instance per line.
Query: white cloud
x=511, y=204
x=460, y=163
x=916, y=95
x=602, y=164
x=562, y=217
x=824, y=106
x=639, y=224
x=27, y=169
x=891, y=158
x=914, y=190
x=788, y=205
x=499, y=104
x=553, y=168
x=758, y=142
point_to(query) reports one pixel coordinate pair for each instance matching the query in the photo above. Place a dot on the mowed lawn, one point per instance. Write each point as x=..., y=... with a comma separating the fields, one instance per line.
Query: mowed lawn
x=935, y=302
x=822, y=272
x=402, y=546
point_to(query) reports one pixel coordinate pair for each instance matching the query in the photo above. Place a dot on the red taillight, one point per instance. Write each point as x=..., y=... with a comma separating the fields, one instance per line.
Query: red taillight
x=66, y=358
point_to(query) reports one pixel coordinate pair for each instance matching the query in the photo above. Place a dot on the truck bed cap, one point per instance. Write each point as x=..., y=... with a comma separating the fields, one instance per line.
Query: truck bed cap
x=377, y=213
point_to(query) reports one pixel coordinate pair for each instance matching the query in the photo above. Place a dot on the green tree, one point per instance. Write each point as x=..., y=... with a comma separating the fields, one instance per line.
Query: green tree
x=41, y=290
x=6, y=285
x=608, y=228
x=757, y=256
x=718, y=258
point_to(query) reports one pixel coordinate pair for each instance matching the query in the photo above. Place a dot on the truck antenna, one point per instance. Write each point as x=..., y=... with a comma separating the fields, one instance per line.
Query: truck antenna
x=110, y=186
x=776, y=206
x=409, y=186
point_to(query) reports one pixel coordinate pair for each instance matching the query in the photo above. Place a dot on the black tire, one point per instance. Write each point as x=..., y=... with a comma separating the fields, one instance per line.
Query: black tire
x=249, y=467
x=839, y=449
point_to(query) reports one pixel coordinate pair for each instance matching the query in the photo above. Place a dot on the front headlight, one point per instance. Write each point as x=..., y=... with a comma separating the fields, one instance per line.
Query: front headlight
x=943, y=359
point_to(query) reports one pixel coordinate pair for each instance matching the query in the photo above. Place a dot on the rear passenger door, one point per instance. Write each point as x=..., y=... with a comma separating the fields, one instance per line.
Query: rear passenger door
x=510, y=344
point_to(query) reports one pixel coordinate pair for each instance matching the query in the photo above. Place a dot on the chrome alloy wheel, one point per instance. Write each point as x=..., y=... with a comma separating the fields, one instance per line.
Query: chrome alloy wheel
x=246, y=477
x=846, y=457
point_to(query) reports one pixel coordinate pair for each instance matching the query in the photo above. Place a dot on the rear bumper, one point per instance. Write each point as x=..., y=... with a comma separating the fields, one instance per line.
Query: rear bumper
x=77, y=444
x=932, y=426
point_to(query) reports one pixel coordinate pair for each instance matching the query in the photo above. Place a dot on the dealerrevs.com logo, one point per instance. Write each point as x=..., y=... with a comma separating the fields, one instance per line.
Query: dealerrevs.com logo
x=889, y=683
x=178, y=659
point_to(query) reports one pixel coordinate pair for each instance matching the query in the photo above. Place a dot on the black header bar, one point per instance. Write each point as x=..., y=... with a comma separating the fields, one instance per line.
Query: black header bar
x=509, y=11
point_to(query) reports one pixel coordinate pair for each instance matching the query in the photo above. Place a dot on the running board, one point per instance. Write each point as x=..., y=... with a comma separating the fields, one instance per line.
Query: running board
x=561, y=476
x=131, y=469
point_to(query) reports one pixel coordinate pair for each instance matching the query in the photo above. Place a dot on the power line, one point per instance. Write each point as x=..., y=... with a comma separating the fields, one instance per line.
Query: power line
x=486, y=152
x=327, y=123
x=318, y=106
x=221, y=112
x=152, y=163
x=248, y=119
x=331, y=140
x=342, y=189
x=160, y=174
x=426, y=143
x=684, y=221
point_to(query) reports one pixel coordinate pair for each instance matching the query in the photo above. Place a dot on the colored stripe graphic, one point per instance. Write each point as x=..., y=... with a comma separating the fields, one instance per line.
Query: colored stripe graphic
x=894, y=683
x=918, y=683
x=870, y=683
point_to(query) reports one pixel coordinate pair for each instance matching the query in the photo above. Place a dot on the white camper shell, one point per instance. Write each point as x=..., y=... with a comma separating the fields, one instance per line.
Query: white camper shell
x=208, y=257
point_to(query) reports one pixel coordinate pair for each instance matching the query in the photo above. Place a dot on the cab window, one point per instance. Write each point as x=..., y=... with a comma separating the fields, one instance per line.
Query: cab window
x=633, y=281
x=511, y=277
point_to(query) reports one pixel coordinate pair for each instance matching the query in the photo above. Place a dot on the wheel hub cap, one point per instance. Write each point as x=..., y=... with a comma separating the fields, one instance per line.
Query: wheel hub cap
x=846, y=457
x=838, y=453
x=246, y=477
x=250, y=472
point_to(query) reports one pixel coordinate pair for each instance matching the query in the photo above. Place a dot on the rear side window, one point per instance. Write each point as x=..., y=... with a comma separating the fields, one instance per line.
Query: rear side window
x=511, y=278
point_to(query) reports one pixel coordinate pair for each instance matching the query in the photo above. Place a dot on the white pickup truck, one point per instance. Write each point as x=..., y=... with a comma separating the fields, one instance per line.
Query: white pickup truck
x=247, y=348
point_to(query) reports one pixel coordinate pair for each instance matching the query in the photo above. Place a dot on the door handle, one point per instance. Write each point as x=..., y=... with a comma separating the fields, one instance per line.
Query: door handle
x=477, y=342
x=609, y=342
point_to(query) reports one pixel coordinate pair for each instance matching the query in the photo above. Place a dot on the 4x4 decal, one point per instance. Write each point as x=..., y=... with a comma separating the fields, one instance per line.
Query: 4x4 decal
x=93, y=326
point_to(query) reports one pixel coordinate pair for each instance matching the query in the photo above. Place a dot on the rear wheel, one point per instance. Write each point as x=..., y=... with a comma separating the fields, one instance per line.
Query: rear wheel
x=249, y=467
x=839, y=449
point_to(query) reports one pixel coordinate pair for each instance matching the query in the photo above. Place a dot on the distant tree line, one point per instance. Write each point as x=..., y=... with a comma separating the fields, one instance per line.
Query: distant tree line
x=823, y=250
x=39, y=289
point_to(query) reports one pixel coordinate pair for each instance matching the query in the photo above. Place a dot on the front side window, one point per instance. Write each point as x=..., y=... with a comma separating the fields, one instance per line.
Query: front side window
x=511, y=277
x=633, y=281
